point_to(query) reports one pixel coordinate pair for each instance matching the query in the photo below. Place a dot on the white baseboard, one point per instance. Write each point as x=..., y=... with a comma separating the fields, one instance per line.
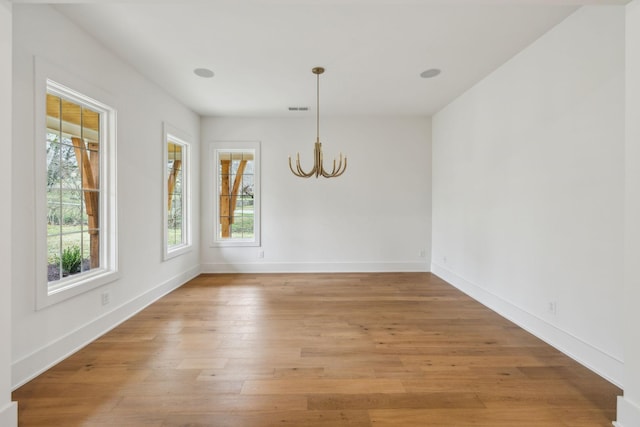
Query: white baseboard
x=34, y=364
x=628, y=413
x=315, y=267
x=9, y=415
x=605, y=365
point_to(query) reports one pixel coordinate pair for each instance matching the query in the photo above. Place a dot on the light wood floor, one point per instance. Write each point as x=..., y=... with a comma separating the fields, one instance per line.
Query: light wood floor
x=317, y=350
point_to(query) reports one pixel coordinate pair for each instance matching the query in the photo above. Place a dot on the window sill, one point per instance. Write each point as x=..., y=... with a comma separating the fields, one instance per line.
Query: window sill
x=176, y=251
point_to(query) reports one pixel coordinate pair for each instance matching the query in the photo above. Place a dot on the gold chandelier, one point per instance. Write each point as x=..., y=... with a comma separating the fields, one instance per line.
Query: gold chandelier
x=318, y=167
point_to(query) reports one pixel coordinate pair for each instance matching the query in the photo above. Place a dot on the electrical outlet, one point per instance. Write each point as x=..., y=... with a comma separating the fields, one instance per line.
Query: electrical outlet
x=422, y=253
x=260, y=254
x=552, y=307
x=105, y=298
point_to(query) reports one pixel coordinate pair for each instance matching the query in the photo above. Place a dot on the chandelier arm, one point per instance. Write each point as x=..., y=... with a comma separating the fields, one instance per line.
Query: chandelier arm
x=333, y=171
x=341, y=167
x=340, y=171
x=291, y=167
x=336, y=169
x=318, y=159
x=344, y=168
x=304, y=174
x=338, y=174
x=340, y=163
x=300, y=173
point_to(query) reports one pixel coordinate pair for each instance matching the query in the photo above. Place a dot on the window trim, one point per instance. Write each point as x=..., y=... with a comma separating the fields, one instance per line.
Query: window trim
x=173, y=134
x=54, y=80
x=236, y=146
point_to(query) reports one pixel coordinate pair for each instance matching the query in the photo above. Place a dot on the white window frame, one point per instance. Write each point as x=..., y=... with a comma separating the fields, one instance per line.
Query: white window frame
x=54, y=80
x=174, y=135
x=236, y=147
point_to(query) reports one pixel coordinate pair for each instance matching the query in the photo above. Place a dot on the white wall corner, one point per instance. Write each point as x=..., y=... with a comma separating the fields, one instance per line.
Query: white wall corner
x=8, y=409
x=629, y=404
x=628, y=413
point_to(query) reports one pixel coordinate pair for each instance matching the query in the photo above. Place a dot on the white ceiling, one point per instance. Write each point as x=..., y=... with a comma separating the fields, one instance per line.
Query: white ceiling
x=262, y=51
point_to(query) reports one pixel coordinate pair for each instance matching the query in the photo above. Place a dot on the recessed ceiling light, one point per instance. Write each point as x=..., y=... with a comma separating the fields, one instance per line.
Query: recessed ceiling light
x=432, y=72
x=203, y=72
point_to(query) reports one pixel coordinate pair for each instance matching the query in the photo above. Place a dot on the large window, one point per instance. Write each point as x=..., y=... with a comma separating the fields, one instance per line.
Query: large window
x=177, y=230
x=237, y=198
x=78, y=207
x=73, y=188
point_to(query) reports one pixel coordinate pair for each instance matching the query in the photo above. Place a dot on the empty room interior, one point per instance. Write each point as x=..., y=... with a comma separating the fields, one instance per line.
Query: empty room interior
x=320, y=213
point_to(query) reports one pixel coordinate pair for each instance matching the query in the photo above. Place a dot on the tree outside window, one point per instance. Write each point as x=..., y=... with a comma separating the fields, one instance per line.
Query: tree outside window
x=237, y=206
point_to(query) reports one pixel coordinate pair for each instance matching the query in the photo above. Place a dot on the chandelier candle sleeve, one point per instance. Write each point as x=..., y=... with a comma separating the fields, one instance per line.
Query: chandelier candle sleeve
x=318, y=165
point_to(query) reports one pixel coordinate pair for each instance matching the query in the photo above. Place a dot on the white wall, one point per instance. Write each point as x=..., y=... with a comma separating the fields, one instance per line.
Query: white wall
x=40, y=338
x=375, y=217
x=528, y=181
x=629, y=405
x=8, y=413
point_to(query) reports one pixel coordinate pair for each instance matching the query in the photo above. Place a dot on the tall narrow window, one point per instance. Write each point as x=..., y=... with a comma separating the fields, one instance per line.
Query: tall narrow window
x=176, y=203
x=78, y=208
x=237, y=198
x=73, y=188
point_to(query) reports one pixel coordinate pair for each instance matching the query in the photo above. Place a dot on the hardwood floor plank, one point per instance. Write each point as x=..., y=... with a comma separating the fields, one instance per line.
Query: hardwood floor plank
x=395, y=401
x=273, y=419
x=457, y=417
x=322, y=385
x=192, y=403
x=209, y=363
